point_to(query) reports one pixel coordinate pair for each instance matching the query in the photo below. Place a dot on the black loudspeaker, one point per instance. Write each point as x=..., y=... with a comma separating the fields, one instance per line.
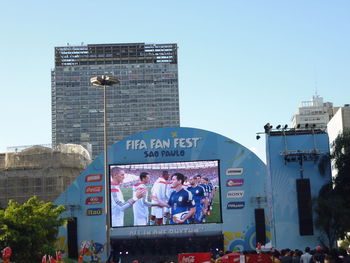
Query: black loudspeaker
x=72, y=236
x=260, y=226
x=306, y=227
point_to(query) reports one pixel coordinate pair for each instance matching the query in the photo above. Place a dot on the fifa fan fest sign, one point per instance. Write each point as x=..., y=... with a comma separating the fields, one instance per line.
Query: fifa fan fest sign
x=212, y=196
x=163, y=148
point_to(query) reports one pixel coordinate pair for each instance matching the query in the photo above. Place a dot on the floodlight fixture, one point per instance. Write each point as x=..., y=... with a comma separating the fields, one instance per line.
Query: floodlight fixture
x=105, y=81
x=278, y=127
x=102, y=81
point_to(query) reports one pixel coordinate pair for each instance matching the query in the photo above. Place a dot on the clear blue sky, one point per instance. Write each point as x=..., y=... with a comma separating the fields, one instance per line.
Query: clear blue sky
x=241, y=63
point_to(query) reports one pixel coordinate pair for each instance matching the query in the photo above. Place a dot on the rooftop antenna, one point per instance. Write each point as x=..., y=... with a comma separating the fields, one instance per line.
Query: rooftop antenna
x=315, y=76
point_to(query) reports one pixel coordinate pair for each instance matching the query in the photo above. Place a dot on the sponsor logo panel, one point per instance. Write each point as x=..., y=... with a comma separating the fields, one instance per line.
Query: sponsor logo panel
x=93, y=178
x=235, y=194
x=93, y=189
x=234, y=171
x=234, y=182
x=94, y=200
x=235, y=205
x=94, y=211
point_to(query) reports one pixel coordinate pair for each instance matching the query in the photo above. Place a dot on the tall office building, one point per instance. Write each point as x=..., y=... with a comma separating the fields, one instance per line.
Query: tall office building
x=314, y=113
x=336, y=126
x=146, y=98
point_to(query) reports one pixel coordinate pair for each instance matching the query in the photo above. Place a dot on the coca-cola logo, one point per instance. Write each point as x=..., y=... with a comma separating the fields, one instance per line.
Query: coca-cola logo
x=93, y=178
x=93, y=200
x=188, y=259
x=93, y=189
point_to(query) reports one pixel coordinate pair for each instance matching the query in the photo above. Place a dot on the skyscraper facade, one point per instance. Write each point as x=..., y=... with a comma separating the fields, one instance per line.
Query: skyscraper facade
x=146, y=98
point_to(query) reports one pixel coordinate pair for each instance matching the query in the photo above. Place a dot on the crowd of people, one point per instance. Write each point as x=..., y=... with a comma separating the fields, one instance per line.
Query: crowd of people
x=316, y=255
x=308, y=255
x=175, y=199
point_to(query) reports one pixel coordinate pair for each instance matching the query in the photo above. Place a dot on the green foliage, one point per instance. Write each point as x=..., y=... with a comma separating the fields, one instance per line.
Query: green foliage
x=341, y=157
x=333, y=203
x=30, y=229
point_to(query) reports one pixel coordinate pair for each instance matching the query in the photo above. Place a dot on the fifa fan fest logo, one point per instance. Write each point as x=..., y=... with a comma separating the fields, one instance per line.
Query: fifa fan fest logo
x=154, y=144
x=163, y=148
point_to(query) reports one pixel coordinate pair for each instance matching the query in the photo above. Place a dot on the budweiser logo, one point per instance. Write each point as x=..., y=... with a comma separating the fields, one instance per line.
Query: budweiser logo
x=93, y=178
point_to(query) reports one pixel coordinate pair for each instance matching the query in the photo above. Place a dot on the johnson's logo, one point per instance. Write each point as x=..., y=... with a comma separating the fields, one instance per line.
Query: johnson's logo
x=235, y=205
x=93, y=189
x=234, y=182
x=235, y=194
x=94, y=200
x=94, y=211
x=234, y=171
x=93, y=178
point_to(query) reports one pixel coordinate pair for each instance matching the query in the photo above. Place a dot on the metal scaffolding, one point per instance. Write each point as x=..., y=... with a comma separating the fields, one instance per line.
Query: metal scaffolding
x=40, y=171
x=100, y=54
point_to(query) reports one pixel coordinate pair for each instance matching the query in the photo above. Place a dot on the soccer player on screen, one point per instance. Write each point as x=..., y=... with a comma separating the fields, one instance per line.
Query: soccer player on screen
x=141, y=206
x=181, y=203
x=200, y=199
x=159, y=194
x=118, y=205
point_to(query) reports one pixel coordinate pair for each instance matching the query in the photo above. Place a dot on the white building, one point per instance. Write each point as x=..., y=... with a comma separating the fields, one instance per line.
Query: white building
x=336, y=126
x=315, y=113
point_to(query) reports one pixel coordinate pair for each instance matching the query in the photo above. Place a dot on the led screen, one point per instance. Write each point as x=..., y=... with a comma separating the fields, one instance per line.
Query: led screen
x=165, y=193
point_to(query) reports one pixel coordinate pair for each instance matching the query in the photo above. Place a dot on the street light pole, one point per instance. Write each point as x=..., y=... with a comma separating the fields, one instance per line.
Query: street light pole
x=105, y=81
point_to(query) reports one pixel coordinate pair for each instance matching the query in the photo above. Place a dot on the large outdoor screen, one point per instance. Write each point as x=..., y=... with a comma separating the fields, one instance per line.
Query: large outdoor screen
x=165, y=193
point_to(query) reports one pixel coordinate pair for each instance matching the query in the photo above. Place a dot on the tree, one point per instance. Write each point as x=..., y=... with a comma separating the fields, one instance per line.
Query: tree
x=329, y=213
x=341, y=157
x=333, y=203
x=30, y=229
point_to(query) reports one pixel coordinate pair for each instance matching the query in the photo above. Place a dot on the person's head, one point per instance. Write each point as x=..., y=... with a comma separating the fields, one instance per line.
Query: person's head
x=199, y=178
x=165, y=175
x=117, y=175
x=318, y=248
x=144, y=178
x=177, y=179
x=193, y=180
x=307, y=249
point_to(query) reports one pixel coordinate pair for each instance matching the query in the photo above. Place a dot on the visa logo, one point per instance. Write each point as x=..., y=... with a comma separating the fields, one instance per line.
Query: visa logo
x=235, y=205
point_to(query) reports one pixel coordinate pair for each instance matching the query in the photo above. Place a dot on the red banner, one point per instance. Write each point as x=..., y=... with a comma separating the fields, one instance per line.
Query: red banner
x=194, y=258
x=258, y=258
x=231, y=258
